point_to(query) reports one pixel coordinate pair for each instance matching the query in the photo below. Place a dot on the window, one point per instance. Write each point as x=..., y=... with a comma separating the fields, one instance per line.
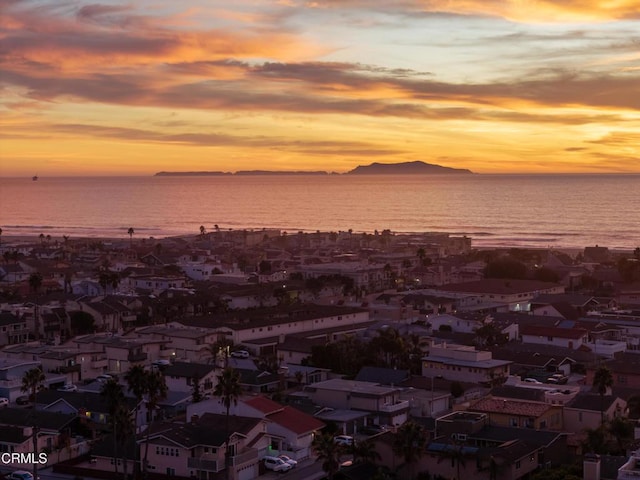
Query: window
x=518, y=464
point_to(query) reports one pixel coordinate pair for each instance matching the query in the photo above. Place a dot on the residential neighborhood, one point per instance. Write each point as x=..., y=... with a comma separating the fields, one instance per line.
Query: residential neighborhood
x=247, y=354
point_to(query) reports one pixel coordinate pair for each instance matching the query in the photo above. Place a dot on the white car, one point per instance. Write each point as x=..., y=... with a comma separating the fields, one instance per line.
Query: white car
x=288, y=460
x=69, y=387
x=105, y=377
x=4, y=402
x=276, y=464
x=240, y=354
x=162, y=363
x=533, y=381
x=343, y=440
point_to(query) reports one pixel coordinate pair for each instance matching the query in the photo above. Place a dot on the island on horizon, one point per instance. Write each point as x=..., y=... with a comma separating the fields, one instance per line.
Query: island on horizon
x=414, y=168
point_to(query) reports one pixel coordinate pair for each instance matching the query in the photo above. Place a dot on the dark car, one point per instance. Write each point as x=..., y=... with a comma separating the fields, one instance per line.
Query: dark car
x=23, y=400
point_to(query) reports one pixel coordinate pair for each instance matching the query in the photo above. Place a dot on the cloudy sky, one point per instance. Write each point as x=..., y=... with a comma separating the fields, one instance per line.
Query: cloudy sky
x=108, y=87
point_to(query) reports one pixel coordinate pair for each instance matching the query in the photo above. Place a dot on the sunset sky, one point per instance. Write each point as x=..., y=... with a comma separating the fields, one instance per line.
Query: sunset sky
x=497, y=86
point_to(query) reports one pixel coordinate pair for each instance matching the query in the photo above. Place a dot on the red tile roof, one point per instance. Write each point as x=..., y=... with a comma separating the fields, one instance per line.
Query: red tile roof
x=264, y=405
x=510, y=407
x=296, y=421
x=543, y=331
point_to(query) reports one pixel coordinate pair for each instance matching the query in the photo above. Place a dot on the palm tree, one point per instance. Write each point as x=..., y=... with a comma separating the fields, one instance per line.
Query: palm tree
x=409, y=442
x=35, y=281
x=365, y=452
x=229, y=390
x=455, y=454
x=32, y=382
x=42, y=238
x=329, y=452
x=0, y=236
x=114, y=395
x=136, y=378
x=602, y=380
x=123, y=432
x=202, y=230
x=131, y=231
x=156, y=391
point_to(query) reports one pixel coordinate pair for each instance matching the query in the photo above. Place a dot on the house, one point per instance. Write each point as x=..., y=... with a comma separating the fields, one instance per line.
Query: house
x=625, y=369
x=185, y=343
x=383, y=403
x=121, y=352
x=90, y=407
x=514, y=294
x=183, y=376
x=245, y=326
x=504, y=412
x=13, y=329
x=571, y=338
x=258, y=381
x=291, y=431
x=110, y=316
x=11, y=373
x=463, y=364
x=197, y=449
x=585, y=411
x=78, y=364
x=369, y=276
x=57, y=434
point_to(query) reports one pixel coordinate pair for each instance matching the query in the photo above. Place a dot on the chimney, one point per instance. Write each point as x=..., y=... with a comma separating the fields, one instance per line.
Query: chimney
x=591, y=467
x=195, y=418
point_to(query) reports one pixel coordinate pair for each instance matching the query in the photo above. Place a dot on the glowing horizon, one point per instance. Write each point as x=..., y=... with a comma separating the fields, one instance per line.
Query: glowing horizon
x=118, y=88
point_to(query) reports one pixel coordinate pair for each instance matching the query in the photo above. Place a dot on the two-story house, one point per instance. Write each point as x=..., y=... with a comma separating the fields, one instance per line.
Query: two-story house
x=57, y=433
x=291, y=431
x=382, y=403
x=184, y=376
x=464, y=364
x=13, y=329
x=197, y=449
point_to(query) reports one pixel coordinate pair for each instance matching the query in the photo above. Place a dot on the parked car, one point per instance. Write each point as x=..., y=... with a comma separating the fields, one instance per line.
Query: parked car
x=69, y=387
x=105, y=377
x=240, y=354
x=558, y=379
x=20, y=475
x=532, y=380
x=343, y=440
x=4, y=402
x=23, y=400
x=288, y=460
x=276, y=464
x=162, y=363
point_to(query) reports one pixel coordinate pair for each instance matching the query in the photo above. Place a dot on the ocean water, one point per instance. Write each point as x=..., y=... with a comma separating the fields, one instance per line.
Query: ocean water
x=563, y=211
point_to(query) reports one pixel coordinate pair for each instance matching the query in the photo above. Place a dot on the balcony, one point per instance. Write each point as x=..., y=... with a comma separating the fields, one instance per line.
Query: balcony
x=203, y=464
x=394, y=407
x=250, y=456
x=137, y=357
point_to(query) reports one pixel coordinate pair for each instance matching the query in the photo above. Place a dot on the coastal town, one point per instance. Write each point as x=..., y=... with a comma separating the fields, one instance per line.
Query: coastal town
x=245, y=354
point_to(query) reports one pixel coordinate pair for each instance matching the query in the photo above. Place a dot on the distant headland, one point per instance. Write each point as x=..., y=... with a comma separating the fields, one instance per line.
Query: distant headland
x=416, y=168
x=413, y=168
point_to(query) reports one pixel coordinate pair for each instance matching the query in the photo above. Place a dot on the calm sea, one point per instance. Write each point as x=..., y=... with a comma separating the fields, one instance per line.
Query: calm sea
x=569, y=211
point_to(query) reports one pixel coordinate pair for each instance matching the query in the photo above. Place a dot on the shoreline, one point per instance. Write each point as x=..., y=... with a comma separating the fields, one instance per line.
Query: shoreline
x=12, y=239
